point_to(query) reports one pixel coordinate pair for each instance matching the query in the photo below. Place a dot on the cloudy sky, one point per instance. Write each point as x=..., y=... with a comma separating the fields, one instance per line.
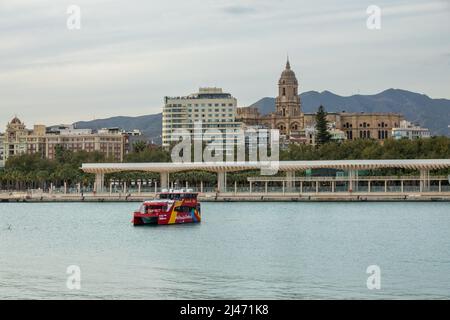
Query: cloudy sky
x=128, y=55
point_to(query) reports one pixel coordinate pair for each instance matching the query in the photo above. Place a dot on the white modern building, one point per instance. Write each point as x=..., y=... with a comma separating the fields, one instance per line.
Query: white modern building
x=408, y=130
x=210, y=108
x=308, y=134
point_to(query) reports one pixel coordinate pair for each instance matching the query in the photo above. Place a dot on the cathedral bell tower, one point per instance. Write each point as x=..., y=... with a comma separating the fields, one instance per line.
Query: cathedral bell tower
x=288, y=102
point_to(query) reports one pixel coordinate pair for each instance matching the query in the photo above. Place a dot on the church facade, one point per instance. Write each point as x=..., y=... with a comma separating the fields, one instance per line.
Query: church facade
x=296, y=126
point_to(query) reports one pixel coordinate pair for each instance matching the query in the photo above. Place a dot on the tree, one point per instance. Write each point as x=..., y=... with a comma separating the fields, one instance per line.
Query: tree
x=149, y=155
x=139, y=146
x=322, y=134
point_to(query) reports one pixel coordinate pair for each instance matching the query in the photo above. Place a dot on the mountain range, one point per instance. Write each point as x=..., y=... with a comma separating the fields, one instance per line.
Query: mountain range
x=150, y=125
x=418, y=108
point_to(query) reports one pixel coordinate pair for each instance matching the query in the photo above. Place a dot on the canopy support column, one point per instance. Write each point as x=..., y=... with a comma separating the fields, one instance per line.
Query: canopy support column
x=352, y=180
x=221, y=181
x=424, y=180
x=290, y=176
x=99, y=181
x=164, y=180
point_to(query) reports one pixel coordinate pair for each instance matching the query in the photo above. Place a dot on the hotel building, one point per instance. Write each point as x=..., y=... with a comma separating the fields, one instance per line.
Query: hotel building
x=211, y=108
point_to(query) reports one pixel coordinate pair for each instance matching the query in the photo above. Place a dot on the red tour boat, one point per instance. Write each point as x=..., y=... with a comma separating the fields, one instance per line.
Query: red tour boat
x=171, y=207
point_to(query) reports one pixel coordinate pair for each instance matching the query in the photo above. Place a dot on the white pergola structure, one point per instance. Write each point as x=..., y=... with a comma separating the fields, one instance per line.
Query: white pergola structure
x=289, y=167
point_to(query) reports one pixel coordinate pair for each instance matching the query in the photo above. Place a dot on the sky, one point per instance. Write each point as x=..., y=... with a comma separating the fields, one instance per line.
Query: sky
x=128, y=55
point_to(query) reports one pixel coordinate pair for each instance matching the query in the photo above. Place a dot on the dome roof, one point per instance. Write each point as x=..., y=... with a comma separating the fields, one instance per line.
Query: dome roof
x=288, y=76
x=16, y=121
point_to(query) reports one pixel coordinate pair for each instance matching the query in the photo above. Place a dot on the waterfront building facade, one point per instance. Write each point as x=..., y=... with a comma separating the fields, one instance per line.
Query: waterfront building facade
x=408, y=130
x=15, y=141
x=295, y=126
x=211, y=109
x=41, y=140
x=2, y=150
x=109, y=142
x=19, y=140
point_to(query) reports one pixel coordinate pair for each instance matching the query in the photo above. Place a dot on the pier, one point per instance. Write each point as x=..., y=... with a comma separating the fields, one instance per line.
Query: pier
x=349, y=185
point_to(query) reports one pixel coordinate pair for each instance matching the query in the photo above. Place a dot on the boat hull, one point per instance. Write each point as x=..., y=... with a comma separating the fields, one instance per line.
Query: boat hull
x=166, y=218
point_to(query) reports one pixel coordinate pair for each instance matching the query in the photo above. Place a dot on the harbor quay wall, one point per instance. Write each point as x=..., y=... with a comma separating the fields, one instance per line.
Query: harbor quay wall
x=232, y=197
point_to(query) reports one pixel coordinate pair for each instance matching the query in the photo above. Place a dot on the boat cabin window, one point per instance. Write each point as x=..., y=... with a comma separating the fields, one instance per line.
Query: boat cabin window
x=177, y=196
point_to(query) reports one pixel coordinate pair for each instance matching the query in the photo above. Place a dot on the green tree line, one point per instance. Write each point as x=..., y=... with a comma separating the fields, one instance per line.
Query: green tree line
x=32, y=172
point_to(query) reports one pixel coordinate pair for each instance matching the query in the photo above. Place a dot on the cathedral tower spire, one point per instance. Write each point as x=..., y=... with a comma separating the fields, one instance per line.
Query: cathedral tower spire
x=288, y=102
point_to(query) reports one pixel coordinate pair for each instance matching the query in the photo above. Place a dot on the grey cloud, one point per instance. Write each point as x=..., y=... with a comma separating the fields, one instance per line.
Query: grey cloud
x=238, y=10
x=126, y=58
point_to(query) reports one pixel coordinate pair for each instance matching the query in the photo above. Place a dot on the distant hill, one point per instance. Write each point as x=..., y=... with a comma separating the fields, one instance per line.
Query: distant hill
x=149, y=125
x=417, y=108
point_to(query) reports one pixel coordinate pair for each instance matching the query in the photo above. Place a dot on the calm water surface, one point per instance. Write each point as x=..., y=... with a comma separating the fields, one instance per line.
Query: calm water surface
x=240, y=251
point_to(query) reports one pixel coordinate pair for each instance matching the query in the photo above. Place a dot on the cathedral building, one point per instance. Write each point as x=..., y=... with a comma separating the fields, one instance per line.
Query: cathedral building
x=296, y=126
